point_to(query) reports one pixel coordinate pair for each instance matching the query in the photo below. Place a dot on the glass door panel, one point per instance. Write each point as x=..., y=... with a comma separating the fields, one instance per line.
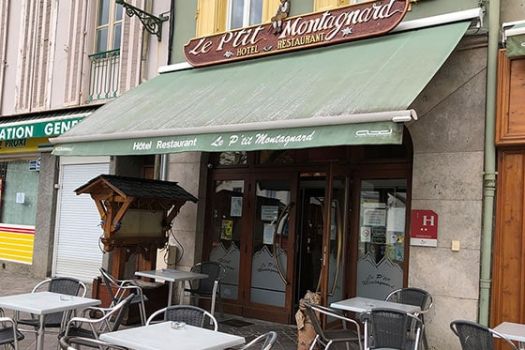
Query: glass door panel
x=270, y=243
x=381, y=247
x=227, y=213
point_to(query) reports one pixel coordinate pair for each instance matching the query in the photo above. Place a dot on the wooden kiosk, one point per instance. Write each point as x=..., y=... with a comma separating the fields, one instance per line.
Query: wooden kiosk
x=136, y=216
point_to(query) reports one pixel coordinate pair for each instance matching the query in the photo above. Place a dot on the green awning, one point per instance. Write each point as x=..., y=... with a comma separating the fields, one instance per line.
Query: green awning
x=515, y=42
x=341, y=95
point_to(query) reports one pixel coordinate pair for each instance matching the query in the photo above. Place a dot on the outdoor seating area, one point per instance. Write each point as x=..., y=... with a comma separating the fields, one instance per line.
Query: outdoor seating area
x=355, y=323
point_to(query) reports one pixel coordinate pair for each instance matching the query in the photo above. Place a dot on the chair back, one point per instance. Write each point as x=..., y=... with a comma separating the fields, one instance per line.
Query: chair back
x=262, y=342
x=412, y=296
x=387, y=328
x=73, y=343
x=62, y=285
x=191, y=315
x=215, y=272
x=110, y=282
x=312, y=314
x=119, y=312
x=474, y=336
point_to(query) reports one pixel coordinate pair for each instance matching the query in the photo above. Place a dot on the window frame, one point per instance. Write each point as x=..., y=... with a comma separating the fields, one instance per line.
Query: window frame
x=110, y=26
x=245, y=15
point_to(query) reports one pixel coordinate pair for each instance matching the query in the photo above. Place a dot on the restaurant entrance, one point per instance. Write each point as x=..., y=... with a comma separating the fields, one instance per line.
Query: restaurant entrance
x=315, y=219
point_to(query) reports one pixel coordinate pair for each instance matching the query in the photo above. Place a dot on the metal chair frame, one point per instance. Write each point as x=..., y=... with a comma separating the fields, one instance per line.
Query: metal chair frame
x=103, y=324
x=453, y=327
x=267, y=339
x=216, y=290
x=415, y=328
x=66, y=343
x=13, y=325
x=428, y=303
x=213, y=320
x=82, y=290
x=321, y=337
x=123, y=287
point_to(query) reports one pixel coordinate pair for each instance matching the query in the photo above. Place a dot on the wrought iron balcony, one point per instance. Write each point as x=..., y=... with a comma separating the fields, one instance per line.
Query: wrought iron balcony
x=104, y=75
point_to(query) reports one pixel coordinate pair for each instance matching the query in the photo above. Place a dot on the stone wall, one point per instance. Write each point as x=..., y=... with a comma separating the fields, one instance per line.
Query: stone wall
x=447, y=178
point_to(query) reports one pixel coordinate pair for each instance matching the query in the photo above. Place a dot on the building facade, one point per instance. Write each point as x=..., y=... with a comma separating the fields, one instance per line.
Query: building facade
x=286, y=210
x=62, y=60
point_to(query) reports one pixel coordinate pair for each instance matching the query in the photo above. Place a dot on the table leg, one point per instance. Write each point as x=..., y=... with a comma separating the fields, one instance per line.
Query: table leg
x=40, y=333
x=170, y=294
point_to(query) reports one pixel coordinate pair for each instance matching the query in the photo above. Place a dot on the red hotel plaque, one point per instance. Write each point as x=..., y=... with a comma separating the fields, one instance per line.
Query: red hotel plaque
x=317, y=29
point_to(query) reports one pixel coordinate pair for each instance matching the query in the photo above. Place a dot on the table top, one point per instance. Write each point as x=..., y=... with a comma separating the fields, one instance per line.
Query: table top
x=360, y=305
x=171, y=275
x=161, y=336
x=513, y=331
x=42, y=303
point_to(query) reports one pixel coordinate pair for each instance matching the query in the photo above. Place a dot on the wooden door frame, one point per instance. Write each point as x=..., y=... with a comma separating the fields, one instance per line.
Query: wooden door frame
x=374, y=171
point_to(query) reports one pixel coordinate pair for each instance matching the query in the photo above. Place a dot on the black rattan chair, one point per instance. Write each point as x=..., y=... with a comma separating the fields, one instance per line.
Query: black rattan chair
x=474, y=336
x=207, y=288
x=416, y=297
x=263, y=342
x=73, y=343
x=329, y=337
x=391, y=329
x=119, y=289
x=192, y=315
x=9, y=334
x=62, y=285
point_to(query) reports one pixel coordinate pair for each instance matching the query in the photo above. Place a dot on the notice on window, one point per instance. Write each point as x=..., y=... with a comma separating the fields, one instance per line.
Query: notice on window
x=374, y=217
x=227, y=230
x=236, y=207
x=269, y=212
x=269, y=230
x=365, y=234
x=396, y=220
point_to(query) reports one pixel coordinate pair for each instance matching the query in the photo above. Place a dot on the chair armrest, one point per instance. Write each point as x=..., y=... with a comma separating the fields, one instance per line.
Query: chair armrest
x=8, y=319
x=153, y=315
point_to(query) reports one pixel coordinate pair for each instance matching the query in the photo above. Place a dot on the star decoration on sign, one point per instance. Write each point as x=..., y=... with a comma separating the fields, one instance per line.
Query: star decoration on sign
x=346, y=31
x=228, y=54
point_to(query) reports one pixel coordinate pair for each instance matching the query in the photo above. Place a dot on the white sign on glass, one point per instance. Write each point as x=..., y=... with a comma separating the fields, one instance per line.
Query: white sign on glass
x=236, y=207
x=269, y=212
x=376, y=281
x=229, y=259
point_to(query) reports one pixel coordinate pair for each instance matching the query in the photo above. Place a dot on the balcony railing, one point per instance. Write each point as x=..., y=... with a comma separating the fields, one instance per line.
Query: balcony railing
x=104, y=75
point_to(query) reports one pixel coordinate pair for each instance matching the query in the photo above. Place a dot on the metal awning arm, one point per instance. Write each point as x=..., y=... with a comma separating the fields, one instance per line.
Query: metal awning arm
x=153, y=24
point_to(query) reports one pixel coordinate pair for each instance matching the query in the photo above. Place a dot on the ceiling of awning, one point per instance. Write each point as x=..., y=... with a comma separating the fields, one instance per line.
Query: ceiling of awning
x=287, y=97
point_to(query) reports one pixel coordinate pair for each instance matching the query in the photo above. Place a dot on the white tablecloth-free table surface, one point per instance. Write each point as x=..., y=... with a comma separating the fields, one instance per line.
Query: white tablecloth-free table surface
x=44, y=303
x=361, y=305
x=172, y=276
x=513, y=331
x=161, y=336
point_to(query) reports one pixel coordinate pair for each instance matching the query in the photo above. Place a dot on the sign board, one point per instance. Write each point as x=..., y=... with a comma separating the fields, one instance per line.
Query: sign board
x=424, y=228
x=40, y=129
x=330, y=27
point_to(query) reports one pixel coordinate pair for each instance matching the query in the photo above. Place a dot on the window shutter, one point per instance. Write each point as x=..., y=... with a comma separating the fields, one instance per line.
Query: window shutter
x=4, y=7
x=269, y=9
x=131, y=49
x=321, y=5
x=76, y=51
x=211, y=17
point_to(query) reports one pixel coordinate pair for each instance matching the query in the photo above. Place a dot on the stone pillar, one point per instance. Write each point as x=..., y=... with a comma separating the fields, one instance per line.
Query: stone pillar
x=45, y=216
x=190, y=172
x=447, y=178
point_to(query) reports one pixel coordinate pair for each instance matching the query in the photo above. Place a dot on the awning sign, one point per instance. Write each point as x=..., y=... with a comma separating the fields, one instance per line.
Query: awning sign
x=343, y=24
x=19, y=131
x=379, y=133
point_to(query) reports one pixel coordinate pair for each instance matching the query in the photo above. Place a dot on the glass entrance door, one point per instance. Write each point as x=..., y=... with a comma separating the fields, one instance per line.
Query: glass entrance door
x=381, y=256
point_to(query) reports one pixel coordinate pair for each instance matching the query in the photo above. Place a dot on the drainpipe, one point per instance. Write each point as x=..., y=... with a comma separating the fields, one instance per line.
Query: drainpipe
x=489, y=176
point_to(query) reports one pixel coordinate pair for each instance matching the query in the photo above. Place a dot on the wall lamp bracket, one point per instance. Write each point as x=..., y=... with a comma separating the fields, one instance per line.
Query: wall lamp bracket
x=152, y=24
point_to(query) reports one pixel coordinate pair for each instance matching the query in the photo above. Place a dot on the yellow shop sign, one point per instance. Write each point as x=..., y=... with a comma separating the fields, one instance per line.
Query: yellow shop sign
x=22, y=145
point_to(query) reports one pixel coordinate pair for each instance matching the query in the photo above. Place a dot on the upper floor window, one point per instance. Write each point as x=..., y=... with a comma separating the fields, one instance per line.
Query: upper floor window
x=242, y=13
x=108, y=26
